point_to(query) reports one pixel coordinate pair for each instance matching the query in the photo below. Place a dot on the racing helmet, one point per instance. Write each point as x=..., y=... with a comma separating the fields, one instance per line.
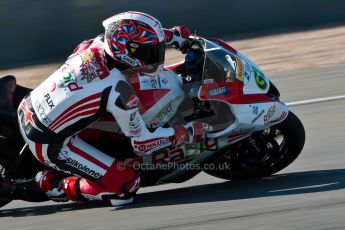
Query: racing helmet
x=134, y=39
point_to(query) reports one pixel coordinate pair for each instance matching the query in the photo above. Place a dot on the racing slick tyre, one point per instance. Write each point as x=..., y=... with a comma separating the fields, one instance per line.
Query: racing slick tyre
x=264, y=153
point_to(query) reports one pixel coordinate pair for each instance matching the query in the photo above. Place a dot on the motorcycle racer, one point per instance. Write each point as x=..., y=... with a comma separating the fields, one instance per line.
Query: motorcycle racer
x=85, y=88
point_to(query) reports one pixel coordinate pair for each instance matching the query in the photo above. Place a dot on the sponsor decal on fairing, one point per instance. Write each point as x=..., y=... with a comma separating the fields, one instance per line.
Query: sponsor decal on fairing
x=271, y=111
x=247, y=71
x=260, y=79
x=280, y=118
x=255, y=109
x=239, y=69
x=258, y=116
x=242, y=131
x=219, y=91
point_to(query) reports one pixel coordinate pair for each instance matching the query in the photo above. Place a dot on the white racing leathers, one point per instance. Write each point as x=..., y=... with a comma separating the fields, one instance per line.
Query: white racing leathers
x=80, y=92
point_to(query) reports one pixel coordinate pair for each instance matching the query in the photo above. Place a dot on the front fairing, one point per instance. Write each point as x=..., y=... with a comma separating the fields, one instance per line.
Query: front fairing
x=230, y=79
x=228, y=65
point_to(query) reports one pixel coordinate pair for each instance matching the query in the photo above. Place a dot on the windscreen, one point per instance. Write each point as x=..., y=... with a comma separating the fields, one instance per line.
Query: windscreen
x=220, y=65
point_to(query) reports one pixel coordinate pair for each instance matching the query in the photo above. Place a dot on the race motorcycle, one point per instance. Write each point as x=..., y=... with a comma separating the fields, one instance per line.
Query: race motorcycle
x=254, y=133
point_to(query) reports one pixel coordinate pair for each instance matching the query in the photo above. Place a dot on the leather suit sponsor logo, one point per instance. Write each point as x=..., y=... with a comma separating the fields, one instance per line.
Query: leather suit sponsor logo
x=149, y=83
x=148, y=146
x=27, y=115
x=49, y=101
x=63, y=156
x=127, y=98
x=68, y=78
x=162, y=117
x=134, y=125
x=93, y=66
x=42, y=114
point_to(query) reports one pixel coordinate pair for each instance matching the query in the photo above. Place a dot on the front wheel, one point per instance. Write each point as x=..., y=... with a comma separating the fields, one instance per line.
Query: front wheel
x=264, y=153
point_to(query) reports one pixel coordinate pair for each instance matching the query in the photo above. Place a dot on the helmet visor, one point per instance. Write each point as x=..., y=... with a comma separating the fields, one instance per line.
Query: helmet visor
x=151, y=54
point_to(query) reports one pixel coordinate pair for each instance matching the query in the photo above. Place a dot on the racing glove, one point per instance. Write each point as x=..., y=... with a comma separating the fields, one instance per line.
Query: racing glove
x=192, y=132
x=178, y=37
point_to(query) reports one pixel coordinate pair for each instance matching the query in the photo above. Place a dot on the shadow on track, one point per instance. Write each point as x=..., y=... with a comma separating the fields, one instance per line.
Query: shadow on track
x=276, y=185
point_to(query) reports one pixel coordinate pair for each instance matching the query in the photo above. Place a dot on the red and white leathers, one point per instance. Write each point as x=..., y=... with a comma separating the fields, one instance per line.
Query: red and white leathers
x=80, y=92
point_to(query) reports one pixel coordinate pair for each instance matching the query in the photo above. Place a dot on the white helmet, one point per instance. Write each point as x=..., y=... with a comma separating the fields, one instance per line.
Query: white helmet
x=135, y=39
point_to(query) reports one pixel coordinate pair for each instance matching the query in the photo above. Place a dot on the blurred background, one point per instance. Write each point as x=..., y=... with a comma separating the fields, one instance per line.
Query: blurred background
x=41, y=31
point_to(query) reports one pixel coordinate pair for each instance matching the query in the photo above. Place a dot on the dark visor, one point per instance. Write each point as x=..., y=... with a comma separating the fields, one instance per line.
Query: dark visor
x=151, y=54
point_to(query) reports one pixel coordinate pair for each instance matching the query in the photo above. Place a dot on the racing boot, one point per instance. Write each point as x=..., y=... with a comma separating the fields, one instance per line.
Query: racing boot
x=51, y=183
x=119, y=185
x=80, y=189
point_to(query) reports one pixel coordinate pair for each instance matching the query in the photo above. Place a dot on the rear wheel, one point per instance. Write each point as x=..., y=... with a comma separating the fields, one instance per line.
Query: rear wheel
x=264, y=153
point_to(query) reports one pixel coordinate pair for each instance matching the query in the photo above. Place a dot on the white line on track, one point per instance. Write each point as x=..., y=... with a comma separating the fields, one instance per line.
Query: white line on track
x=316, y=100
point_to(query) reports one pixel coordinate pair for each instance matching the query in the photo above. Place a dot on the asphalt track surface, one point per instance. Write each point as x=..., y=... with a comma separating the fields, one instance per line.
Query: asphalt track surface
x=309, y=194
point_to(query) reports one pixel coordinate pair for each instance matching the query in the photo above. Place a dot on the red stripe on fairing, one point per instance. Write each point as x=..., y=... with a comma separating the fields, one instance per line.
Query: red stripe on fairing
x=223, y=44
x=254, y=98
x=89, y=98
x=87, y=156
x=89, y=112
x=281, y=117
x=39, y=152
x=235, y=137
x=74, y=111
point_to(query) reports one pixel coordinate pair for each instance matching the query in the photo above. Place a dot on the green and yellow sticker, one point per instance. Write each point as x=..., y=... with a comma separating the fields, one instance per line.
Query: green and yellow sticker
x=260, y=79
